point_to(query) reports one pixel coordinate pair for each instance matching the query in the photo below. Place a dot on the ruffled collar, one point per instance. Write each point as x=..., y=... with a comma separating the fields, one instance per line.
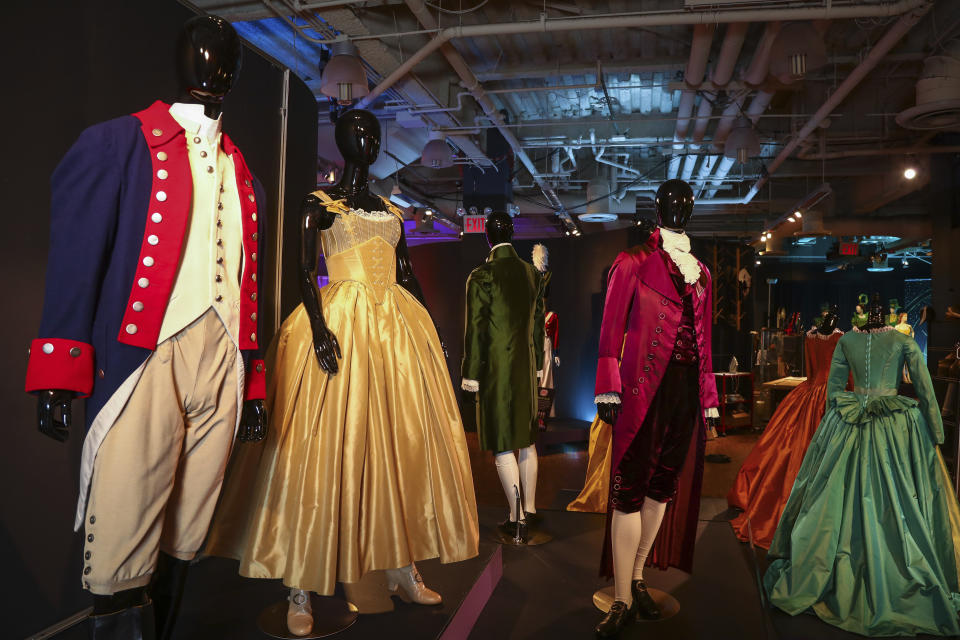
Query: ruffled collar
x=877, y=330
x=677, y=246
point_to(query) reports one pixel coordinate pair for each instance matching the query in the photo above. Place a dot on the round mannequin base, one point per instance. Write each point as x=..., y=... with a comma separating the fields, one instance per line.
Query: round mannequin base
x=531, y=539
x=330, y=615
x=669, y=607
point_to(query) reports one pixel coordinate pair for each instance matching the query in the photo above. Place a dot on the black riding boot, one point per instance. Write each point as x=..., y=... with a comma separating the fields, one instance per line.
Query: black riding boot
x=166, y=591
x=127, y=615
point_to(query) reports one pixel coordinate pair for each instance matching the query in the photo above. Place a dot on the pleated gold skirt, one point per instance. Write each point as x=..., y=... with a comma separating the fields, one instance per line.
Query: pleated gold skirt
x=360, y=471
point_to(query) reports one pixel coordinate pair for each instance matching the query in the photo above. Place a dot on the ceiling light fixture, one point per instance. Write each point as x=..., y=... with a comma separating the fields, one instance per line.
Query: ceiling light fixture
x=797, y=214
x=910, y=173
x=791, y=219
x=437, y=154
x=743, y=142
x=344, y=78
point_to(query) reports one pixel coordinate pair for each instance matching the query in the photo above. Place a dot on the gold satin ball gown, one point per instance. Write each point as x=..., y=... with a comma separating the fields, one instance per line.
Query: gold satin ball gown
x=366, y=469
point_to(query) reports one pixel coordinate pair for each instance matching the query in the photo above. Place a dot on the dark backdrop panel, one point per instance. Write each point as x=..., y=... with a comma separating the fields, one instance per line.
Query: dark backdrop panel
x=95, y=61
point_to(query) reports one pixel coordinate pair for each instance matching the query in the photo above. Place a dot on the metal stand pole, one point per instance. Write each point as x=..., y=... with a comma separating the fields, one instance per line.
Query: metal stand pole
x=517, y=538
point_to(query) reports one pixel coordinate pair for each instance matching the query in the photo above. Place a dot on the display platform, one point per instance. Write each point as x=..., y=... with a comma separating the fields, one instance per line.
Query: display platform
x=218, y=603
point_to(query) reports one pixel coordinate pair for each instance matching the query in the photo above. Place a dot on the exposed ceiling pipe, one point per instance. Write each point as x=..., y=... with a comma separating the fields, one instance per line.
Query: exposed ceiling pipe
x=760, y=65
x=893, y=35
x=470, y=82
x=599, y=158
x=758, y=105
x=693, y=77
x=722, y=74
x=729, y=52
x=667, y=18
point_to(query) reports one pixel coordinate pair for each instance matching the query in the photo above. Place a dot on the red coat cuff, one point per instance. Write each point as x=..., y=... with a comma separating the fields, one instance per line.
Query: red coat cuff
x=60, y=364
x=608, y=376
x=256, y=381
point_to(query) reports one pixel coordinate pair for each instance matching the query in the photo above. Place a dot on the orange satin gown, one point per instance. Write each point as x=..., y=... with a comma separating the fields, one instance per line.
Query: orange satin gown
x=766, y=477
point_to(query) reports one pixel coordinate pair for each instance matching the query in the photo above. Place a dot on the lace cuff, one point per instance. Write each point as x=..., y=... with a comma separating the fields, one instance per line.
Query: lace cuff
x=608, y=398
x=711, y=413
x=470, y=385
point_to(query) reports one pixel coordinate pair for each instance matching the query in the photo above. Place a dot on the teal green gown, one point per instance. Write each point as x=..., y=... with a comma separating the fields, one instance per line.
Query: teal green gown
x=869, y=537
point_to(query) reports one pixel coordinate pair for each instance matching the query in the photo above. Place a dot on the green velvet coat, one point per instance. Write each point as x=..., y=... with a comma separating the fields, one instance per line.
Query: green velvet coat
x=503, y=348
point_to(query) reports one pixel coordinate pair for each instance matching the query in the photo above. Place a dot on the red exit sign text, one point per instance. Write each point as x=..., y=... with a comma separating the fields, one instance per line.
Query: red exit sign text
x=474, y=224
x=849, y=249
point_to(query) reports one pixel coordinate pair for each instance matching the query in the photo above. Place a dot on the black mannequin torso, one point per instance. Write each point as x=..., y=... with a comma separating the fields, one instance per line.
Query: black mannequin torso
x=358, y=139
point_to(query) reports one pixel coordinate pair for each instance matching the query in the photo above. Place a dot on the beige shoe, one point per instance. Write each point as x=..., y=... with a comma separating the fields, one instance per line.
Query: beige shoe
x=407, y=583
x=299, y=613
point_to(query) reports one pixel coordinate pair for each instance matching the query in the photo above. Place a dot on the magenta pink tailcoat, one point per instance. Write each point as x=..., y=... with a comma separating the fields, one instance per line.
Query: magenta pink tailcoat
x=640, y=320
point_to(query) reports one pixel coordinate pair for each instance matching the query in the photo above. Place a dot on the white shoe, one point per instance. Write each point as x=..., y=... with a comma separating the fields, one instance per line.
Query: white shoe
x=299, y=613
x=407, y=583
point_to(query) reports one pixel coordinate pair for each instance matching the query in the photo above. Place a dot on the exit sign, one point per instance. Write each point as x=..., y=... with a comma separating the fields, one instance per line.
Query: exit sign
x=849, y=249
x=474, y=224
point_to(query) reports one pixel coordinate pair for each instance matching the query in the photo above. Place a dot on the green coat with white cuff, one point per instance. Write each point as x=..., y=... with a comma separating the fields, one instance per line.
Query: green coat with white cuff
x=503, y=347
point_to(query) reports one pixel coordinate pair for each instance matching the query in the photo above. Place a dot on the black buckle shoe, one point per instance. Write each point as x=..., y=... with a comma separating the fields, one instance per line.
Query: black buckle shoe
x=532, y=519
x=135, y=623
x=647, y=608
x=619, y=616
x=516, y=530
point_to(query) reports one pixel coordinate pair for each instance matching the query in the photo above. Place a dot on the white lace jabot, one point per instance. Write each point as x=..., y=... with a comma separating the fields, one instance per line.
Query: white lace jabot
x=677, y=246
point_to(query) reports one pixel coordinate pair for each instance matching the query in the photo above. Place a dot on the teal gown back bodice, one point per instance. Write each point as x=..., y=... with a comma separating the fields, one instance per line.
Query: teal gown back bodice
x=868, y=540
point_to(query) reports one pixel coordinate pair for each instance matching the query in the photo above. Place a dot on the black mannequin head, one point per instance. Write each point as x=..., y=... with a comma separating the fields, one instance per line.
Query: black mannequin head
x=674, y=204
x=828, y=323
x=358, y=137
x=499, y=228
x=209, y=54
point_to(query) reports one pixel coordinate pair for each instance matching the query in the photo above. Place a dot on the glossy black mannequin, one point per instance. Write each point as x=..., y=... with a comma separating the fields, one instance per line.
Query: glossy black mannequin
x=674, y=206
x=875, y=315
x=499, y=228
x=828, y=323
x=357, y=135
x=208, y=59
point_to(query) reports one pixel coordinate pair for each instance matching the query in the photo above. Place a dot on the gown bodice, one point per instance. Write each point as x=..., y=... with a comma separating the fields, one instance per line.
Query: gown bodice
x=876, y=360
x=817, y=353
x=360, y=246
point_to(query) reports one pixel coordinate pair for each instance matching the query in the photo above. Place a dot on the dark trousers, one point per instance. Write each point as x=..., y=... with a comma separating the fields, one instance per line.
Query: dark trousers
x=652, y=464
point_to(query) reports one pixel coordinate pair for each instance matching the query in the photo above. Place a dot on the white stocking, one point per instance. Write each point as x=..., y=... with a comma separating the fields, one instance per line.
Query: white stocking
x=528, y=477
x=652, y=517
x=510, y=479
x=625, y=532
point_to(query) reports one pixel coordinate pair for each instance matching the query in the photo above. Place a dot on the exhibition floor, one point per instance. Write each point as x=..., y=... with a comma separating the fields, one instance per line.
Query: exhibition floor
x=545, y=592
